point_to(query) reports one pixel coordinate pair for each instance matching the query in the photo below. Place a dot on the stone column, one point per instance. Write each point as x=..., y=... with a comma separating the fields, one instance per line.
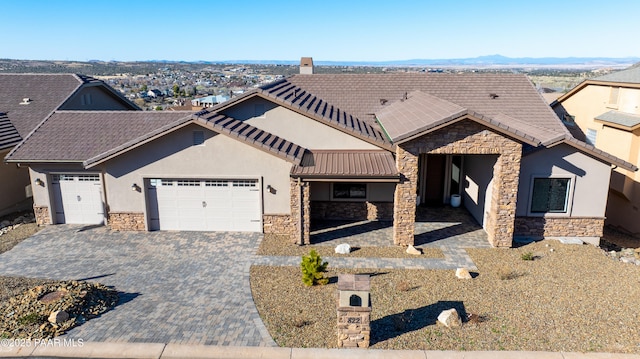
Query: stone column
x=404, y=200
x=300, y=210
x=502, y=214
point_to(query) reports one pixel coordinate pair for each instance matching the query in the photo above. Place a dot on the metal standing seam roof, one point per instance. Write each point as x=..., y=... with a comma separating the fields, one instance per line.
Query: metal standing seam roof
x=620, y=118
x=347, y=164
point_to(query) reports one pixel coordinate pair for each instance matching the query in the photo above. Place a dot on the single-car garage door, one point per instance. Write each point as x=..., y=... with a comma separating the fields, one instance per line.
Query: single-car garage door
x=77, y=198
x=205, y=205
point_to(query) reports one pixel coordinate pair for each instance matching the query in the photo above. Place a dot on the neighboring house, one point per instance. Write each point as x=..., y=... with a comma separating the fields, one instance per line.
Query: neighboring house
x=155, y=93
x=604, y=111
x=208, y=101
x=25, y=101
x=313, y=147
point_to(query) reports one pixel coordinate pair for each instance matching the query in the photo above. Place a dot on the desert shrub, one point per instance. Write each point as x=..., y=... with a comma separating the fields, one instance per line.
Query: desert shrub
x=313, y=269
x=506, y=273
x=528, y=256
x=403, y=286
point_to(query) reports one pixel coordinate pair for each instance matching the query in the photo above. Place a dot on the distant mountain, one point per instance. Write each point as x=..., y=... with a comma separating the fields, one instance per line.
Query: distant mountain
x=480, y=61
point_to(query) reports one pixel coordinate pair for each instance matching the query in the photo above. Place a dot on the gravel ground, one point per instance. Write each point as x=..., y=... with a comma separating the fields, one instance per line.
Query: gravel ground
x=275, y=245
x=17, y=235
x=573, y=298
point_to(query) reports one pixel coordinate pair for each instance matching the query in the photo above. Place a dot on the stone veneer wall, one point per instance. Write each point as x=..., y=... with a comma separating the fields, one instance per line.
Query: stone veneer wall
x=462, y=138
x=541, y=227
x=363, y=210
x=42, y=215
x=278, y=224
x=300, y=210
x=126, y=221
x=354, y=327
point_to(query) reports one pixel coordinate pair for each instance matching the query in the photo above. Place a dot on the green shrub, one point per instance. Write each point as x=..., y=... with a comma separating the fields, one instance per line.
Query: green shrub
x=528, y=256
x=313, y=269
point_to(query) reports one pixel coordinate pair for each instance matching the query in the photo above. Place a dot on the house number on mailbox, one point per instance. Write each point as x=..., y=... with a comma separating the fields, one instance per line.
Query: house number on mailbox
x=353, y=320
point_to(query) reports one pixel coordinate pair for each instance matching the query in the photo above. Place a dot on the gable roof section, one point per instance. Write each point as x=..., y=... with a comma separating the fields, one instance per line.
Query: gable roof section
x=627, y=76
x=342, y=164
x=298, y=100
x=602, y=155
x=92, y=137
x=46, y=93
x=620, y=119
x=9, y=136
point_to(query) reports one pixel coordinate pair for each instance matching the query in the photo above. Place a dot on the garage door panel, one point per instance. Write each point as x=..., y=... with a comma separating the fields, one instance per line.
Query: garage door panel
x=205, y=205
x=78, y=199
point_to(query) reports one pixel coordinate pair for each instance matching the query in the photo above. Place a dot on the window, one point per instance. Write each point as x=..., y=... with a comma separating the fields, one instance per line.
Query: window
x=350, y=190
x=613, y=96
x=258, y=110
x=568, y=119
x=198, y=138
x=591, y=136
x=85, y=99
x=550, y=195
x=245, y=183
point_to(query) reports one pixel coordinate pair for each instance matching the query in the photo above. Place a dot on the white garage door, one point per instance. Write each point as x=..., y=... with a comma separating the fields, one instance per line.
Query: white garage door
x=77, y=199
x=205, y=205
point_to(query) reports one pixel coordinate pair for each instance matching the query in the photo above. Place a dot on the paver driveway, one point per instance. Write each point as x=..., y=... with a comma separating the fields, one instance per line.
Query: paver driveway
x=178, y=287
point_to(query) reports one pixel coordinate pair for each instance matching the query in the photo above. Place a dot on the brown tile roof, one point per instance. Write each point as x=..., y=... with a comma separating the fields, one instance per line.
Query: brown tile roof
x=363, y=95
x=9, y=136
x=76, y=136
x=336, y=164
x=46, y=93
x=91, y=137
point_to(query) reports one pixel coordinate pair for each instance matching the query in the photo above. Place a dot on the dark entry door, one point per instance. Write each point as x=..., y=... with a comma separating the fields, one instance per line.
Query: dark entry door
x=434, y=184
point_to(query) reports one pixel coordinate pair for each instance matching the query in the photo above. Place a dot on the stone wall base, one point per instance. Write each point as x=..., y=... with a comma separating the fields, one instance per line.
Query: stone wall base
x=543, y=227
x=359, y=211
x=42, y=215
x=126, y=221
x=278, y=224
x=354, y=327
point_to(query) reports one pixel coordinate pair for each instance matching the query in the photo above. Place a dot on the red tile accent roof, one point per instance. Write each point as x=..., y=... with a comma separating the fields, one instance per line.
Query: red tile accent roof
x=336, y=164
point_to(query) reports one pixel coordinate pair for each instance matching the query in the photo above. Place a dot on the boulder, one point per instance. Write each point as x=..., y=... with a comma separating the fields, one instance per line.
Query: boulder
x=58, y=317
x=463, y=273
x=343, y=248
x=450, y=318
x=413, y=250
x=636, y=253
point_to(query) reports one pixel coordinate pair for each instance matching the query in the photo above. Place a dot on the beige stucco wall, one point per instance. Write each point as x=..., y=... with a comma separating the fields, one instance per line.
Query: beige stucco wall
x=13, y=180
x=100, y=100
x=174, y=156
x=476, y=180
x=296, y=128
x=591, y=178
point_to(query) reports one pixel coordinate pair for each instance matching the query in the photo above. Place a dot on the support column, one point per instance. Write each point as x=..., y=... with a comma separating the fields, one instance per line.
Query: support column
x=404, y=201
x=502, y=214
x=300, y=210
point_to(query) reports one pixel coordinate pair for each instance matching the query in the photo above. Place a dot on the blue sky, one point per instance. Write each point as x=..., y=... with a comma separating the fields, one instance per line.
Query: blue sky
x=327, y=30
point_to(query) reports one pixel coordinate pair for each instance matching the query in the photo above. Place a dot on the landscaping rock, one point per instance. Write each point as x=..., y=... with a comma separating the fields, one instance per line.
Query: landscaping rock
x=343, y=248
x=463, y=273
x=58, y=316
x=413, y=250
x=450, y=318
x=636, y=253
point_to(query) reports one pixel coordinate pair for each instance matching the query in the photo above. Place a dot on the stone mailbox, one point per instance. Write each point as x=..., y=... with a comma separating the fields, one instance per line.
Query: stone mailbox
x=354, y=310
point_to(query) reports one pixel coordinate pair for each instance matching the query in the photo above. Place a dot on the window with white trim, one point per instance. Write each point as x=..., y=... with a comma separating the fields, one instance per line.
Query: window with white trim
x=550, y=195
x=346, y=190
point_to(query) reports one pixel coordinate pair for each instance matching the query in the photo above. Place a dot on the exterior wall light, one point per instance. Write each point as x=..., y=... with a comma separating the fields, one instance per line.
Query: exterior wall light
x=135, y=188
x=39, y=182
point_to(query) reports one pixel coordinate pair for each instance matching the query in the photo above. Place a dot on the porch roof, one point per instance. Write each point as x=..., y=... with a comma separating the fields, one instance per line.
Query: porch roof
x=347, y=165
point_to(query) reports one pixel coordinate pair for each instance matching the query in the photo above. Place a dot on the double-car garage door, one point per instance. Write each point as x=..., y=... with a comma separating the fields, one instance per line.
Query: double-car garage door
x=204, y=205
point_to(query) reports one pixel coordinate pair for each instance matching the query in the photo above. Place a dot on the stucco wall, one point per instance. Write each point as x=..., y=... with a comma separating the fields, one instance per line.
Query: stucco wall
x=13, y=179
x=100, y=100
x=174, y=156
x=296, y=128
x=477, y=175
x=591, y=180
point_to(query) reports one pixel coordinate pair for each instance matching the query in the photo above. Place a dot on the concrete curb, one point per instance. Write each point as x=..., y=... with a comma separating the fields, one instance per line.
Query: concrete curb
x=105, y=350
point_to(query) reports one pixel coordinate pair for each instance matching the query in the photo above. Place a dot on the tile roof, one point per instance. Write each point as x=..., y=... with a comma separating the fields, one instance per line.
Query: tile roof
x=45, y=91
x=9, y=136
x=91, y=137
x=630, y=75
x=335, y=164
x=363, y=95
x=620, y=118
x=45, y=94
x=76, y=136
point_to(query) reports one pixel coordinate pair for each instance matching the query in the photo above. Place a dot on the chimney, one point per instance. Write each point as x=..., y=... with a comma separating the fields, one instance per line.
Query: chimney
x=306, y=66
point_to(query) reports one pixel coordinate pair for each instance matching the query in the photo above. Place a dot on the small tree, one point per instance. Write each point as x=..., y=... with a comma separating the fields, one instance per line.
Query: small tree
x=313, y=269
